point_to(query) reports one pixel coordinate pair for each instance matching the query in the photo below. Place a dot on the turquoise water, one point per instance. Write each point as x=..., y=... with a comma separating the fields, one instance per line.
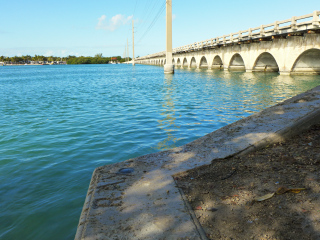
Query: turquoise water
x=58, y=123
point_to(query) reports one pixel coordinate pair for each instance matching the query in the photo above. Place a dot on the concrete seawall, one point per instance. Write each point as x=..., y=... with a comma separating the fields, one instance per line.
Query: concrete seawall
x=141, y=200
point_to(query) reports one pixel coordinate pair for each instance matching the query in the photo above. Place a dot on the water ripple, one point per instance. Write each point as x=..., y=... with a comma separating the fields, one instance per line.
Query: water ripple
x=58, y=123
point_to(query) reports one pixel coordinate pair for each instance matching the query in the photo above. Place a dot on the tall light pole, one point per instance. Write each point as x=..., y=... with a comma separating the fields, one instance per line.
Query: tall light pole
x=133, y=44
x=168, y=67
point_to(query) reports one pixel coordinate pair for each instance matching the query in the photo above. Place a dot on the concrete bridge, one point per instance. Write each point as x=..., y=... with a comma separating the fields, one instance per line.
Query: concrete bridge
x=289, y=47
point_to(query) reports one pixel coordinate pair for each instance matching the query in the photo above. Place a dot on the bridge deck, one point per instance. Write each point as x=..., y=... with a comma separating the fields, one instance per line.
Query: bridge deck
x=276, y=29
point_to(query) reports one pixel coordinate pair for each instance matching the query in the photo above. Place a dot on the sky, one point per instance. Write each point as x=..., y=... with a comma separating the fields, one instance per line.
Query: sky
x=85, y=28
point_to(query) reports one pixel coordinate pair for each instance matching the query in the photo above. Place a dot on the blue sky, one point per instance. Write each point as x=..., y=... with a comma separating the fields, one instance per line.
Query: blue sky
x=70, y=27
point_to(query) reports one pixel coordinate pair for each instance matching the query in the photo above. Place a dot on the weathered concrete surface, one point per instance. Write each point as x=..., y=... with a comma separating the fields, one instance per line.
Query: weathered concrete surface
x=146, y=203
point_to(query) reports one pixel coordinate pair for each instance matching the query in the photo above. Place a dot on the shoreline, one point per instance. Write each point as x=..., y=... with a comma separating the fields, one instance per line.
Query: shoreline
x=31, y=65
x=146, y=202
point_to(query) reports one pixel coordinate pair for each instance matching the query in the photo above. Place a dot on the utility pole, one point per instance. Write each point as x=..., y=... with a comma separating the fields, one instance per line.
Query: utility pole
x=132, y=43
x=169, y=68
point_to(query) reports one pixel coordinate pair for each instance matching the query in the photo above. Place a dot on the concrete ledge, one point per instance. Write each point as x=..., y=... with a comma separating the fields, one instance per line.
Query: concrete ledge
x=146, y=204
x=237, y=68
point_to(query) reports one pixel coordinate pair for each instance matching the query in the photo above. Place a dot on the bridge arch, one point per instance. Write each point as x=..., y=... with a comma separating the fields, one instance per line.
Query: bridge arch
x=178, y=62
x=308, y=62
x=217, y=62
x=185, y=62
x=173, y=62
x=266, y=62
x=203, y=62
x=193, y=63
x=236, y=62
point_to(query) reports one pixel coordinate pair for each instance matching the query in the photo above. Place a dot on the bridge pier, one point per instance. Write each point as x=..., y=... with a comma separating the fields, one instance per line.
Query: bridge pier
x=285, y=73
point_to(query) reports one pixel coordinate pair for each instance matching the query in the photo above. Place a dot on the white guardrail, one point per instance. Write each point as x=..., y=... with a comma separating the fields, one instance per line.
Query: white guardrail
x=277, y=28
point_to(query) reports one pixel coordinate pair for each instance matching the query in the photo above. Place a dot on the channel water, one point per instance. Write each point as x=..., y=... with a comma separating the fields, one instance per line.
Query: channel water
x=58, y=123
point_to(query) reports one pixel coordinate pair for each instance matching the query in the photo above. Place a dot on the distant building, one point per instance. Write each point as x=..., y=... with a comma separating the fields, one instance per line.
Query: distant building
x=114, y=60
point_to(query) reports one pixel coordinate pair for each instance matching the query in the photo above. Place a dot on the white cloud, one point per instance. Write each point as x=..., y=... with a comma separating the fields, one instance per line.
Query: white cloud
x=114, y=23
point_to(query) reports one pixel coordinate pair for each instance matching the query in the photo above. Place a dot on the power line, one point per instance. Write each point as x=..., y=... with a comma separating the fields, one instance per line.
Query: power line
x=134, y=11
x=149, y=13
x=152, y=8
x=162, y=8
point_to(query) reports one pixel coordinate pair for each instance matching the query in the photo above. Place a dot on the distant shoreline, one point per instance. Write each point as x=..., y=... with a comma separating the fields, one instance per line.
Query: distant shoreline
x=31, y=64
x=39, y=64
x=43, y=60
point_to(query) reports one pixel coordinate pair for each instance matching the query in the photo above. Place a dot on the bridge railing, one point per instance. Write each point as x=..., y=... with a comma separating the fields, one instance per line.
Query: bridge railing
x=293, y=25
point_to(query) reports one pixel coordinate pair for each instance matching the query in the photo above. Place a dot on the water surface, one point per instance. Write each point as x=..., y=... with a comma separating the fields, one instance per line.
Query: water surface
x=58, y=123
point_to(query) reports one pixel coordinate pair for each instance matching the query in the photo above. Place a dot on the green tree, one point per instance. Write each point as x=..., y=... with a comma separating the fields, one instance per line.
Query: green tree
x=98, y=55
x=17, y=59
x=26, y=58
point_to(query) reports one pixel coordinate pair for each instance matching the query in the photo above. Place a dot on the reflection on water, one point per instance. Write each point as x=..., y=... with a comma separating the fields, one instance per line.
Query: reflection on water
x=168, y=112
x=262, y=86
x=209, y=94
